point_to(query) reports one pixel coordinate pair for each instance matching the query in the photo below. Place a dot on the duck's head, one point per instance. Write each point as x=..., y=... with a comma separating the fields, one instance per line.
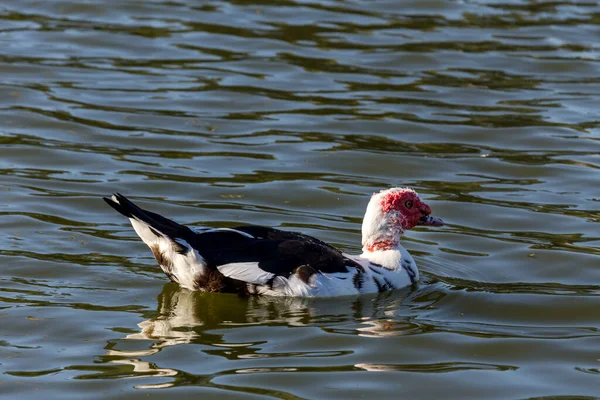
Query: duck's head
x=391, y=212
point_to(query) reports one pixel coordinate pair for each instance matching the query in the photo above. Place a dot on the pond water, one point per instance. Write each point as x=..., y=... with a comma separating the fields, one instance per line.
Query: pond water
x=290, y=114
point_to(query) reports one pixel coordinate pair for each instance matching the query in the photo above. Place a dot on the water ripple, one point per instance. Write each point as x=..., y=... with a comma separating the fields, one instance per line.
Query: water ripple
x=291, y=115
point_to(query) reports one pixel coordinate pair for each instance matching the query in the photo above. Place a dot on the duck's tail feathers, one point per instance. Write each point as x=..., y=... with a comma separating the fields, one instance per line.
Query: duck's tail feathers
x=168, y=240
x=148, y=225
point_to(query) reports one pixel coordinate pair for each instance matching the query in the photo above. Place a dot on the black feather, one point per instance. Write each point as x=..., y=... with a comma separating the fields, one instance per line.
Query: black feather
x=156, y=222
x=281, y=253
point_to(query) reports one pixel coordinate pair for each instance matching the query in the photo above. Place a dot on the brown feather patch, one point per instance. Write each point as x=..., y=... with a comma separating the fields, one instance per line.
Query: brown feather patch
x=215, y=281
x=304, y=272
x=210, y=281
x=162, y=260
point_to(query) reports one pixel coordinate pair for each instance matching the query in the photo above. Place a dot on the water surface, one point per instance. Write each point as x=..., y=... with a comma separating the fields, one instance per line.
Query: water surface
x=290, y=114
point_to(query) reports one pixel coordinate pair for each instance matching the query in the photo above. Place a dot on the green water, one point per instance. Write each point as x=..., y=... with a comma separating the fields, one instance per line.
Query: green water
x=290, y=114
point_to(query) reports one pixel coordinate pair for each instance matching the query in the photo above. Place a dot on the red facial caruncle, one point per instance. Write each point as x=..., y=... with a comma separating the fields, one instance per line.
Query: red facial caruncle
x=411, y=210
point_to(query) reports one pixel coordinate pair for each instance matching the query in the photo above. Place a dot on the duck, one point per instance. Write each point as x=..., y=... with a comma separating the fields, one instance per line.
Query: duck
x=260, y=260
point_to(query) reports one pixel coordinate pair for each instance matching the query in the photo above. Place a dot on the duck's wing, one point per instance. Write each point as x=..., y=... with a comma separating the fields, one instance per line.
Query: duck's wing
x=227, y=259
x=261, y=255
x=264, y=232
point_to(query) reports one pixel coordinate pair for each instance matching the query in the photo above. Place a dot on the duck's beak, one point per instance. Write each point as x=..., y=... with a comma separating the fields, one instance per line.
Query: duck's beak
x=429, y=220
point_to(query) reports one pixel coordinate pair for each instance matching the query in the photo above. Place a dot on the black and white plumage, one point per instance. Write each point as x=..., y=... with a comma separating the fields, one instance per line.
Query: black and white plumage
x=267, y=261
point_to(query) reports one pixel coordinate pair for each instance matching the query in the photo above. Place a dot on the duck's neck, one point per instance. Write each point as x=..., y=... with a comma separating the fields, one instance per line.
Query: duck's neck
x=383, y=249
x=381, y=244
x=380, y=235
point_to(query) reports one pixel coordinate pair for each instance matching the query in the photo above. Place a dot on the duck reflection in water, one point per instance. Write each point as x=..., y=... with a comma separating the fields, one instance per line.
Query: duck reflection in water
x=185, y=316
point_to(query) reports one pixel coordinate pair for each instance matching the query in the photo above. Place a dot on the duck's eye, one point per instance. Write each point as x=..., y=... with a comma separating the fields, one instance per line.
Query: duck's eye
x=408, y=204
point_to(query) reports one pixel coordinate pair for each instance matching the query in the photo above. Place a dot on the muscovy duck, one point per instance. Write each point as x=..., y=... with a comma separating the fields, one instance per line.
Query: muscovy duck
x=258, y=260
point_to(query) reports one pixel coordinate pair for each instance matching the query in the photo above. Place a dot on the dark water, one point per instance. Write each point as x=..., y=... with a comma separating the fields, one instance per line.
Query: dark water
x=290, y=114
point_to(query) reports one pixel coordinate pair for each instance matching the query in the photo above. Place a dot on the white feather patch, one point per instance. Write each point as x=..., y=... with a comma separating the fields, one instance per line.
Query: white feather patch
x=246, y=271
x=228, y=230
x=143, y=231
